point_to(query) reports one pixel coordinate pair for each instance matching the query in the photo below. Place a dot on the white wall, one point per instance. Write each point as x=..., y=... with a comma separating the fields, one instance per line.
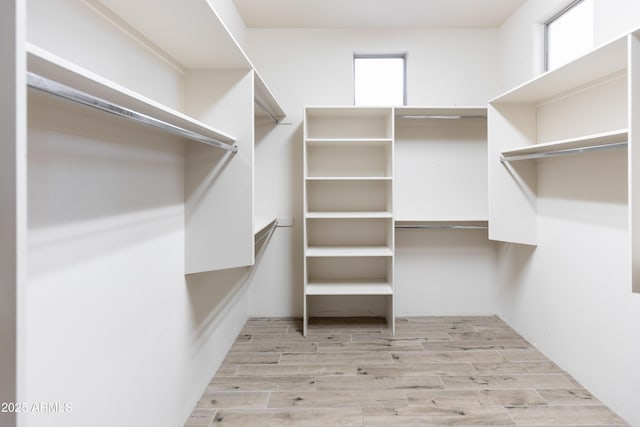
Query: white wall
x=315, y=67
x=227, y=11
x=445, y=272
x=522, y=42
x=571, y=296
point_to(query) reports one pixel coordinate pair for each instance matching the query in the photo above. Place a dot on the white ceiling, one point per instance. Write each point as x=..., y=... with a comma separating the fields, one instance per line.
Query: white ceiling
x=376, y=13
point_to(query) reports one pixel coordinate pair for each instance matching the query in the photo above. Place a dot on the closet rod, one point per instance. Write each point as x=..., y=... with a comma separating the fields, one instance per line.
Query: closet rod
x=439, y=116
x=555, y=153
x=266, y=110
x=443, y=227
x=54, y=88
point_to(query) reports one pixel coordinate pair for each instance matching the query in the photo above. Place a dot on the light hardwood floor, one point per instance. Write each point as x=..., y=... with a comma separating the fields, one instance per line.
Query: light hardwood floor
x=435, y=371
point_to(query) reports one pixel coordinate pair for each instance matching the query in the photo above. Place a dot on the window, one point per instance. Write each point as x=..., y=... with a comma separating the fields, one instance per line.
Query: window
x=379, y=80
x=569, y=34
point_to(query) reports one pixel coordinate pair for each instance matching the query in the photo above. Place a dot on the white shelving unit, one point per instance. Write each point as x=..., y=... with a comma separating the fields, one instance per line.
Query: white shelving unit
x=218, y=87
x=589, y=104
x=348, y=206
x=52, y=67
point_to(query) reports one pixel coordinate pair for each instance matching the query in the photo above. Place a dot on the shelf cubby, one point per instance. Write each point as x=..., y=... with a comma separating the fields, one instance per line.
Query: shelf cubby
x=349, y=197
x=348, y=123
x=348, y=232
x=362, y=158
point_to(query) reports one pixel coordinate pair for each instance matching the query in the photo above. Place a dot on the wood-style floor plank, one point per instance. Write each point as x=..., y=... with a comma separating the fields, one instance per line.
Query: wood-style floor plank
x=249, y=399
x=447, y=357
x=571, y=396
x=492, y=382
x=474, y=398
x=426, y=416
x=435, y=371
x=338, y=399
x=294, y=418
x=564, y=416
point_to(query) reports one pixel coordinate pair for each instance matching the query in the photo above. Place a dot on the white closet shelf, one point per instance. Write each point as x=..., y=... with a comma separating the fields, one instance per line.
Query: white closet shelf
x=189, y=31
x=47, y=65
x=348, y=215
x=411, y=113
x=204, y=40
x=264, y=231
x=598, y=64
x=584, y=142
x=346, y=112
x=348, y=142
x=267, y=106
x=348, y=178
x=348, y=287
x=262, y=224
x=349, y=251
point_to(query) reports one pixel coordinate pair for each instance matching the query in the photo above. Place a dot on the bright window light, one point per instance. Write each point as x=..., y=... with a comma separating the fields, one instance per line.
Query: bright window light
x=379, y=80
x=569, y=34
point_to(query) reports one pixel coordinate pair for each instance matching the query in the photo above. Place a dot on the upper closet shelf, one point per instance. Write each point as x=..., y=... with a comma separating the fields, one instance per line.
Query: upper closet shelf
x=444, y=113
x=597, y=142
x=192, y=33
x=51, y=67
x=598, y=64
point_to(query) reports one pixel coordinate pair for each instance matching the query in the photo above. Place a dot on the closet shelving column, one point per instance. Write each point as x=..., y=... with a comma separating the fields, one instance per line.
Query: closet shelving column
x=348, y=207
x=588, y=104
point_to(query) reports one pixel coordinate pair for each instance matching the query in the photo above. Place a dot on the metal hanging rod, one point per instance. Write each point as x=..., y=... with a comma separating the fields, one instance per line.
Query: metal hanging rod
x=54, y=88
x=266, y=110
x=568, y=151
x=443, y=227
x=440, y=116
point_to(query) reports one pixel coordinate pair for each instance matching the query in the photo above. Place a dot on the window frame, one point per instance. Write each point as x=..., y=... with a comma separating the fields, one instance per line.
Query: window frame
x=400, y=55
x=550, y=21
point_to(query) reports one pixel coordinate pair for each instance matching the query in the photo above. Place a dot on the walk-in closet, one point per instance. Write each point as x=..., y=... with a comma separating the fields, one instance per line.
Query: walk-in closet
x=319, y=213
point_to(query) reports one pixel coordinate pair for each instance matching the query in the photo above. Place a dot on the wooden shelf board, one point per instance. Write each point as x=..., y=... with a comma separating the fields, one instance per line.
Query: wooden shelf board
x=204, y=41
x=349, y=251
x=347, y=112
x=264, y=96
x=262, y=224
x=348, y=142
x=54, y=68
x=348, y=178
x=440, y=111
x=348, y=215
x=190, y=31
x=595, y=65
x=617, y=136
x=349, y=287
